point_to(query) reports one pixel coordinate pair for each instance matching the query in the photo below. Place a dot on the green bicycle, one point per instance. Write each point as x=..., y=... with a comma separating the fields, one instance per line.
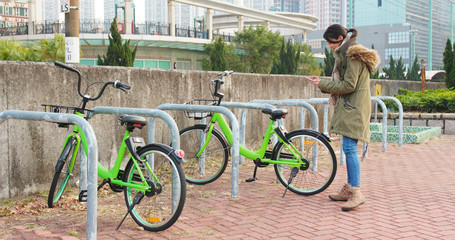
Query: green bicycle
x=153, y=181
x=303, y=159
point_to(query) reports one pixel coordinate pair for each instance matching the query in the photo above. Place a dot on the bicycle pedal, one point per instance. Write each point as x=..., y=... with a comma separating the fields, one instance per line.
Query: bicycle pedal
x=83, y=196
x=251, y=179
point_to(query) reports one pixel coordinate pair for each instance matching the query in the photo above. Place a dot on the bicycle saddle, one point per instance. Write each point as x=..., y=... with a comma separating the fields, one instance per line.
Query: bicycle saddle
x=276, y=113
x=133, y=121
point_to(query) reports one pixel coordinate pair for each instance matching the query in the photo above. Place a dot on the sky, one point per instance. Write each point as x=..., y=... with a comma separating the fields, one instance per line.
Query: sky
x=140, y=15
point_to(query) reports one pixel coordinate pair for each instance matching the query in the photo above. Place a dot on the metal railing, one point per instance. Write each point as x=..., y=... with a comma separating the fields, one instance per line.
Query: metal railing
x=96, y=26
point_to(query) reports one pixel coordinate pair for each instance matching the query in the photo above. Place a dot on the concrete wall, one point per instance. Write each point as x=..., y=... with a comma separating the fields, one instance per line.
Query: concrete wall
x=29, y=149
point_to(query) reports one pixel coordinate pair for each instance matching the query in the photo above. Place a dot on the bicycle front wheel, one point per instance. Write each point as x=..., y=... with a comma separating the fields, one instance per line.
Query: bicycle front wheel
x=161, y=206
x=63, y=170
x=320, y=159
x=211, y=164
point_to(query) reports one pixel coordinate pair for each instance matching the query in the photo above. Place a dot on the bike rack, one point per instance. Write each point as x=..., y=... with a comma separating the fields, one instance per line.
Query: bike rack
x=235, y=135
x=295, y=102
x=246, y=106
x=151, y=130
x=400, y=116
x=154, y=113
x=92, y=153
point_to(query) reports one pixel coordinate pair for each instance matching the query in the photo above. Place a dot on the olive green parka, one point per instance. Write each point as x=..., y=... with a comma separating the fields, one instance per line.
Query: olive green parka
x=352, y=113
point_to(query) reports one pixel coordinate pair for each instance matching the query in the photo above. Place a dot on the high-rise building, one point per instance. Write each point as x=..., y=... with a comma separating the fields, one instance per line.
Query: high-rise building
x=397, y=28
x=327, y=11
x=185, y=15
x=416, y=15
x=13, y=14
x=86, y=9
x=156, y=11
x=287, y=5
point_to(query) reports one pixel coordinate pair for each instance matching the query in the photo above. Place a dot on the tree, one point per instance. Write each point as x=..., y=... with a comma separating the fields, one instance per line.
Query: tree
x=448, y=60
x=259, y=47
x=54, y=49
x=391, y=70
x=413, y=73
x=118, y=53
x=217, y=53
x=288, y=61
x=307, y=63
x=329, y=61
x=374, y=75
x=400, y=69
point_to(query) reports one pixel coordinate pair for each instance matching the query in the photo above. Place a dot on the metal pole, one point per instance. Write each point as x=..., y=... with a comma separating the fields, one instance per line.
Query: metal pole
x=343, y=13
x=72, y=33
x=451, y=22
x=235, y=136
x=430, y=33
x=350, y=14
x=92, y=153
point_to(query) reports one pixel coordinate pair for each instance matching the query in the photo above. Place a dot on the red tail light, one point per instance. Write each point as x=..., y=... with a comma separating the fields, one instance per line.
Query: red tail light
x=180, y=153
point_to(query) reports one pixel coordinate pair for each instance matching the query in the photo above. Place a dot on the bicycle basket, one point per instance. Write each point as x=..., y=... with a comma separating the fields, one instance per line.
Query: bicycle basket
x=58, y=109
x=199, y=115
x=61, y=109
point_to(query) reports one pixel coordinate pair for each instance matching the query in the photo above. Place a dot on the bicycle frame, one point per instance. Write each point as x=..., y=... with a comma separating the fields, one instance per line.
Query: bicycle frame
x=294, y=161
x=114, y=171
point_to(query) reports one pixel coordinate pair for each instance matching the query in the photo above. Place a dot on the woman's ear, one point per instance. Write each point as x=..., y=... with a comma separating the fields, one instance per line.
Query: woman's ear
x=340, y=38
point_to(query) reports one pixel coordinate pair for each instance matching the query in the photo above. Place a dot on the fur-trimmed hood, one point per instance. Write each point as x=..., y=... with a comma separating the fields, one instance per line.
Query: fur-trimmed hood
x=369, y=56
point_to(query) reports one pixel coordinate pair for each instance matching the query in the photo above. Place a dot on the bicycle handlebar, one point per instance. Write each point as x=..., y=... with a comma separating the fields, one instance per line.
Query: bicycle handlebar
x=116, y=84
x=218, y=83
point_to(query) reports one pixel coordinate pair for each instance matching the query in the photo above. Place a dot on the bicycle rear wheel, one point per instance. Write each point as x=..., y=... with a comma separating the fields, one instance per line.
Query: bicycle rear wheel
x=63, y=170
x=319, y=156
x=213, y=161
x=159, y=208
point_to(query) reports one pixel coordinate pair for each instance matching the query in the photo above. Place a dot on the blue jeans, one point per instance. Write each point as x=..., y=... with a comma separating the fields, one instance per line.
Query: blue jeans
x=352, y=161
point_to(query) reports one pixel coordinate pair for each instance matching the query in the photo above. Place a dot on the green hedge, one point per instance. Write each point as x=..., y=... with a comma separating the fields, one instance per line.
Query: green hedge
x=440, y=100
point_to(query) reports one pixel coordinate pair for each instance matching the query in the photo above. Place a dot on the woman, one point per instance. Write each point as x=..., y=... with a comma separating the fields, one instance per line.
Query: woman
x=349, y=91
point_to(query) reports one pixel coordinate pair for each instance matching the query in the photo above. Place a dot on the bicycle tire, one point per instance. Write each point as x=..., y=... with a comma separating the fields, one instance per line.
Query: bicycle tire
x=216, y=155
x=167, y=205
x=316, y=149
x=61, y=178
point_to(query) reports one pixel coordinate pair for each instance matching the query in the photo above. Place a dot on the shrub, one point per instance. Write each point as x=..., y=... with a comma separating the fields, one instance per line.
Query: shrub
x=440, y=100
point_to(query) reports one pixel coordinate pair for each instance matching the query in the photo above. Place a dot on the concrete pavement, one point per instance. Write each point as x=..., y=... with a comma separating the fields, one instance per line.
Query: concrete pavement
x=410, y=193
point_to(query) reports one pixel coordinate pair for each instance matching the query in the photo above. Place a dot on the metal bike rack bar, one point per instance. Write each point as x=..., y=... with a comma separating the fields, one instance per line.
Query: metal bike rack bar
x=324, y=101
x=92, y=153
x=384, y=122
x=235, y=135
x=400, y=117
x=246, y=106
x=146, y=112
x=294, y=102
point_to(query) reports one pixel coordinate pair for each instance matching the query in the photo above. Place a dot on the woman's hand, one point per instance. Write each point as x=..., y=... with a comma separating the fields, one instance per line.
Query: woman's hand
x=315, y=80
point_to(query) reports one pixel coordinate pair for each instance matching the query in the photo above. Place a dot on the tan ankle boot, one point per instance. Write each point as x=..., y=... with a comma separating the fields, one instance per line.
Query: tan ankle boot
x=355, y=199
x=342, y=195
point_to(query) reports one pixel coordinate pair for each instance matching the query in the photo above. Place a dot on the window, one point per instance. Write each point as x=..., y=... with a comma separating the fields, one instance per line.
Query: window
x=1, y=9
x=398, y=37
x=379, y=3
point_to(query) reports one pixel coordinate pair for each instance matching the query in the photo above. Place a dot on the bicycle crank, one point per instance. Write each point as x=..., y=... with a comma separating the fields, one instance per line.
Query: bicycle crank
x=294, y=172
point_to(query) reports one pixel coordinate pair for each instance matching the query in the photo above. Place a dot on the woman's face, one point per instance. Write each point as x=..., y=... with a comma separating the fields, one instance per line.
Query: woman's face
x=334, y=43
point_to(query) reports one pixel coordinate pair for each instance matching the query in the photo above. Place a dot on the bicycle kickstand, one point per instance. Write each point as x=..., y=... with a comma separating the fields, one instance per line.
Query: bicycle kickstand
x=137, y=199
x=254, y=175
x=294, y=172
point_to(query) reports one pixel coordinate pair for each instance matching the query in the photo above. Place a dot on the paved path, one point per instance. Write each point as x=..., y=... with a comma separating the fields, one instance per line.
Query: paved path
x=410, y=194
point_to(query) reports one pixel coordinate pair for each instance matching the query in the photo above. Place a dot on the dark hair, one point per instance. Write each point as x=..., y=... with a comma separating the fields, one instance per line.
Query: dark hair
x=336, y=30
